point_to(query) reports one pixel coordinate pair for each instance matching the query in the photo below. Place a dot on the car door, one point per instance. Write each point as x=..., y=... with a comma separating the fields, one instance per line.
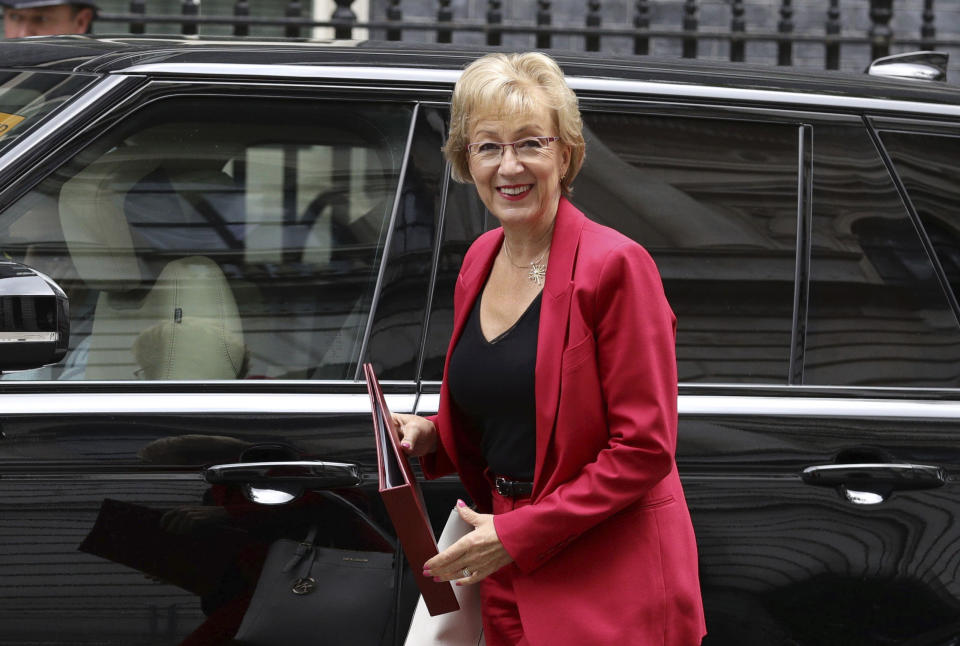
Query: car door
x=816, y=351
x=232, y=253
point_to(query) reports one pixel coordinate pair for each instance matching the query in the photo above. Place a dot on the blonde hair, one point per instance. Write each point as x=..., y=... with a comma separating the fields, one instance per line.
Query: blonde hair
x=505, y=84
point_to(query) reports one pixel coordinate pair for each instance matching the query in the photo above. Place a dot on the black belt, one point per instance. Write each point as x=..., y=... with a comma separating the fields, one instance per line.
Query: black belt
x=512, y=488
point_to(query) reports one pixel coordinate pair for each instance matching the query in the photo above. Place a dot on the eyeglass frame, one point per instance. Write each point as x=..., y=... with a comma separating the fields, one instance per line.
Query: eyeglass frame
x=545, y=142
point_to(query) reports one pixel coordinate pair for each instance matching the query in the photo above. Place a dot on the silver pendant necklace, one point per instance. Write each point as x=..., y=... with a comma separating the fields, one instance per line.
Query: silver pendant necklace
x=537, y=268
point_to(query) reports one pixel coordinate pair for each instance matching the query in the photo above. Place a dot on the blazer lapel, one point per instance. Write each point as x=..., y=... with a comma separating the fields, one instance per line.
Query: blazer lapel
x=472, y=280
x=469, y=283
x=554, y=316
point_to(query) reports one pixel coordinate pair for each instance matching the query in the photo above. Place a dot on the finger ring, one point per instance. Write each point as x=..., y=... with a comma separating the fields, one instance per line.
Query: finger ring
x=466, y=573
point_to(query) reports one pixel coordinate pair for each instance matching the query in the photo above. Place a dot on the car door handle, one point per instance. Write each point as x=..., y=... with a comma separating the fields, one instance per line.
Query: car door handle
x=870, y=476
x=305, y=474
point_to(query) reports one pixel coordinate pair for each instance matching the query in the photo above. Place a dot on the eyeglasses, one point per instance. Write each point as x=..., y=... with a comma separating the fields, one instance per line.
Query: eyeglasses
x=527, y=150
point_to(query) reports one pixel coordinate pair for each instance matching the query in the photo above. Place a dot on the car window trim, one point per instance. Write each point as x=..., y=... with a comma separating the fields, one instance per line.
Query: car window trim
x=434, y=260
x=189, y=401
x=801, y=279
x=388, y=241
x=580, y=84
x=914, y=216
x=784, y=406
x=33, y=142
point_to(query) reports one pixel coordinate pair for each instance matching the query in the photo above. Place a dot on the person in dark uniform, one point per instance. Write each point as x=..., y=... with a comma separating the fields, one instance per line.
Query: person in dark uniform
x=46, y=17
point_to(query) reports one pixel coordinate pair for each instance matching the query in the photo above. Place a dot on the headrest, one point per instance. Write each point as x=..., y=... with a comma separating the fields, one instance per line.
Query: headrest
x=95, y=211
x=95, y=225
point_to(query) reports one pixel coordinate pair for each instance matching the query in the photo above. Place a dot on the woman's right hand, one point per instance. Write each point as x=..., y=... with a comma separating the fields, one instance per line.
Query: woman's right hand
x=418, y=435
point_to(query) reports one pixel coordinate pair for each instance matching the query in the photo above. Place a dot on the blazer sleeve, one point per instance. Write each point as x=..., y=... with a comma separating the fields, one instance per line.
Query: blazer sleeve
x=634, y=329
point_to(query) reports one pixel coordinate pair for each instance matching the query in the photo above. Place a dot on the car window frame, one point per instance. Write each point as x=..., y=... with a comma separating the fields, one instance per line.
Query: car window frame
x=876, y=125
x=120, y=95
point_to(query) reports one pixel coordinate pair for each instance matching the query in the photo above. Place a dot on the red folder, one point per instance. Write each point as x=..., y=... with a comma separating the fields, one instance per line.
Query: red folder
x=404, y=502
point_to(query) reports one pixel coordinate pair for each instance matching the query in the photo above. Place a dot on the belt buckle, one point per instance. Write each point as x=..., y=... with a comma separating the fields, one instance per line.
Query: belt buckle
x=504, y=487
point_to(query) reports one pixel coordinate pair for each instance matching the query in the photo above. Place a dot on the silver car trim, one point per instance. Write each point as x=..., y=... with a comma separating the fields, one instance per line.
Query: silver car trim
x=78, y=474
x=18, y=337
x=194, y=403
x=580, y=83
x=312, y=403
x=60, y=119
x=701, y=405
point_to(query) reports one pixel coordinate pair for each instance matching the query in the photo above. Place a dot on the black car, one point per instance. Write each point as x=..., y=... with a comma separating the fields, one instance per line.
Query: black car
x=238, y=226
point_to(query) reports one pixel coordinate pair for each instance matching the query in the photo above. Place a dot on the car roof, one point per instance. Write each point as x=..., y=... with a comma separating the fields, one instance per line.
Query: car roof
x=170, y=55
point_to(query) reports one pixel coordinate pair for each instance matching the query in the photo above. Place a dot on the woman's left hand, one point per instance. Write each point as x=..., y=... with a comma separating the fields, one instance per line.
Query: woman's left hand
x=480, y=552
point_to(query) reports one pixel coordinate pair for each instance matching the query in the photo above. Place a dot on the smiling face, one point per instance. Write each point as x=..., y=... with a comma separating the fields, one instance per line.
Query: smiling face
x=521, y=192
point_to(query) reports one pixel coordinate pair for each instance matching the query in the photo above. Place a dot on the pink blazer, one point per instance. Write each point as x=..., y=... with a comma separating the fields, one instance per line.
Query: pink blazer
x=606, y=551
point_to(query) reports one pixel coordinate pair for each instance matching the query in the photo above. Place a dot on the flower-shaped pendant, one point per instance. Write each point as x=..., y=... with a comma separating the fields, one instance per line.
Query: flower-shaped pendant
x=538, y=272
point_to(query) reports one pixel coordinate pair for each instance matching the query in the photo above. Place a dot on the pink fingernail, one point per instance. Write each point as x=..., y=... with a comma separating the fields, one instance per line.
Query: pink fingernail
x=437, y=579
x=405, y=445
x=460, y=503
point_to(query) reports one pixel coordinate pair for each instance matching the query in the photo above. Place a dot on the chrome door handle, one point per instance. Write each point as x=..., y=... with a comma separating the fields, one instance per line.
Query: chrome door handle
x=880, y=476
x=305, y=474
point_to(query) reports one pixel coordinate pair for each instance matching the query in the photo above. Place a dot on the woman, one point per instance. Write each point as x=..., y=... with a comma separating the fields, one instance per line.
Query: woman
x=558, y=404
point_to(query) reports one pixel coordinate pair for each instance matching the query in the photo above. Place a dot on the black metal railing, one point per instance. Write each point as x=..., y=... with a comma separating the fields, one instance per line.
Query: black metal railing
x=543, y=26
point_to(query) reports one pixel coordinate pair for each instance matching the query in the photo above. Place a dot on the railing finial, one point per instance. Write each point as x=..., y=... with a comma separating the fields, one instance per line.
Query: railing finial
x=394, y=14
x=785, y=26
x=544, y=19
x=494, y=18
x=444, y=17
x=189, y=8
x=738, y=25
x=832, y=29
x=592, y=41
x=641, y=22
x=241, y=10
x=690, y=26
x=344, y=19
x=881, y=12
x=928, y=30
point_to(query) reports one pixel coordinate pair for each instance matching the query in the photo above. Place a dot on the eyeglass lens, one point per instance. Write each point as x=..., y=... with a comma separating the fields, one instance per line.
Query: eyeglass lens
x=528, y=149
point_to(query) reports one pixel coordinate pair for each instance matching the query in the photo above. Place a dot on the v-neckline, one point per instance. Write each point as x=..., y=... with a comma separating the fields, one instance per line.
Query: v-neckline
x=510, y=329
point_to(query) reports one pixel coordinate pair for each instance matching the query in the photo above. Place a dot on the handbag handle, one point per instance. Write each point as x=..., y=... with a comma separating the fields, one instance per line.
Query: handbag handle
x=343, y=502
x=309, y=542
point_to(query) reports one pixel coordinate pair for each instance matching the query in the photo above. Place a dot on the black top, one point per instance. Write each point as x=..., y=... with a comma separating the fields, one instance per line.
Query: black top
x=492, y=383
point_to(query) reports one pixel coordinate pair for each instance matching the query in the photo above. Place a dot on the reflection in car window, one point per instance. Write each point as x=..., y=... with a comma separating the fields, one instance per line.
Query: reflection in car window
x=25, y=97
x=397, y=330
x=927, y=166
x=878, y=315
x=715, y=203
x=198, y=247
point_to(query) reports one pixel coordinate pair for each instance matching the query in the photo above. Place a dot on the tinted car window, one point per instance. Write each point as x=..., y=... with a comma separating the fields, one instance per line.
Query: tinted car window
x=878, y=315
x=396, y=335
x=715, y=202
x=465, y=218
x=198, y=247
x=927, y=166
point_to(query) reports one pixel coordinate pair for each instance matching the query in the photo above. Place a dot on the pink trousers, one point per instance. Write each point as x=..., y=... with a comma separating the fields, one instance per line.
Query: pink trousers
x=501, y=618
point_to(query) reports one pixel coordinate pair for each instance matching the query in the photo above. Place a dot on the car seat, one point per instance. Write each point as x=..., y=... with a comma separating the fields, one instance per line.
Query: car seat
x=173, y=319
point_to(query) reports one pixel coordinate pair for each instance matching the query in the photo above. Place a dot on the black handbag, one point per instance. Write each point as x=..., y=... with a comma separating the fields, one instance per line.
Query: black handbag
x=309, y=595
